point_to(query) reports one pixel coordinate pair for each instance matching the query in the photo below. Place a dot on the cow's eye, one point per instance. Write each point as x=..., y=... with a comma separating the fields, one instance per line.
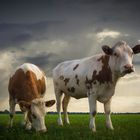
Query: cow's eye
x=34, y=116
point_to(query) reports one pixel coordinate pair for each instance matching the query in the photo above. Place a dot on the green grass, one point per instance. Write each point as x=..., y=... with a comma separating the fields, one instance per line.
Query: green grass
x=127, y=127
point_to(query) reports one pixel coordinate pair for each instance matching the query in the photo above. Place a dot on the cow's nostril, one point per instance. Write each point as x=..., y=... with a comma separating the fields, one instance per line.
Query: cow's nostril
x=128, y=69
x=128, y=66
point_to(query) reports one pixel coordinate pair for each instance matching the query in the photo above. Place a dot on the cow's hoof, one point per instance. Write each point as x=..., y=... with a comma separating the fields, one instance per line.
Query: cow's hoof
x=60, y=123
x=66, y=122
x=42, y=131
x=28, y=127
x=9, y=126
x=23, y=123
x=93, y=130
x=110, y=127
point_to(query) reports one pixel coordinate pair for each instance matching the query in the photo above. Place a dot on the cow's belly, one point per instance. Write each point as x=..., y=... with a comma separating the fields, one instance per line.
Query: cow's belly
x=76, y=93
x=105, y=92
x=72, y=89
x=103, y=99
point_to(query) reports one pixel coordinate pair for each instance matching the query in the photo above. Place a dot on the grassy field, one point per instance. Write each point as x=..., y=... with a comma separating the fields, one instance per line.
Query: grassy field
x=127, y=127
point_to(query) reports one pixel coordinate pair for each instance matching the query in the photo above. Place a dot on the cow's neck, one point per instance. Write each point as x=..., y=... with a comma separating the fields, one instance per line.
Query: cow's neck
x=115, y=75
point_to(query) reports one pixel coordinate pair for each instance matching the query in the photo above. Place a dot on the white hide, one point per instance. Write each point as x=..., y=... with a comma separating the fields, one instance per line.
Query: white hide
x=124, y=57
x=39, y=110
x=120, y=57
x=85, y=68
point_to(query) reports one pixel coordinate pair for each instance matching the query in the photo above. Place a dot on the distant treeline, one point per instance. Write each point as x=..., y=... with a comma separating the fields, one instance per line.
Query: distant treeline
x=19, y=112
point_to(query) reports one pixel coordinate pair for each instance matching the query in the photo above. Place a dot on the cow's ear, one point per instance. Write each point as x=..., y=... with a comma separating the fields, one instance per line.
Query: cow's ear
x=107, y=50
x=136, y=49
x=50, y=103
x=24, y=106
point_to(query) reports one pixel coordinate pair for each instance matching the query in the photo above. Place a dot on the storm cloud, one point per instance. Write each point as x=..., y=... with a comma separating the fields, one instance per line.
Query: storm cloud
x=48, y=32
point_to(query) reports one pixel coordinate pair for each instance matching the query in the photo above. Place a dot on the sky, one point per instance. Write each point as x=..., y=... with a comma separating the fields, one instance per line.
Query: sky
x=48, y=32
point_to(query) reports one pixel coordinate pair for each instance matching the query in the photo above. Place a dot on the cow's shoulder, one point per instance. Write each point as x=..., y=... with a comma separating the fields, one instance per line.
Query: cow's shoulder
x=33, y=68
x=16, y=79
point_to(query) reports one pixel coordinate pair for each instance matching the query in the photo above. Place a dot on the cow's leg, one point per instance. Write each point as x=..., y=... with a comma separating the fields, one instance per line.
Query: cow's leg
x=28, y=125
x=25, y=118
x=93, y=109
x=65, y=102
x=107, y=114
x=12, y=104
x=26, y=121
x=58, y=95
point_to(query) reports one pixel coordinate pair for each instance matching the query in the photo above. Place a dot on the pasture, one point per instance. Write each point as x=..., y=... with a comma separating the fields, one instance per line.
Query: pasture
x=127, y=127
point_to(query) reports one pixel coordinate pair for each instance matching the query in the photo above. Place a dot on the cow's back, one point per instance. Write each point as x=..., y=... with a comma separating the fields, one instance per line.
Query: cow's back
x=27, y=83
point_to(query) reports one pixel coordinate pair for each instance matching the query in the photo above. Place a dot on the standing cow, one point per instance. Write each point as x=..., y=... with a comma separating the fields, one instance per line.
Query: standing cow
x=27, y=87
x=94, y=77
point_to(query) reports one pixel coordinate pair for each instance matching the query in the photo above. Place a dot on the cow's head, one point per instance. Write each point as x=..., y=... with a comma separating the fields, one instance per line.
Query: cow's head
x=36, y=112
x=121, y=56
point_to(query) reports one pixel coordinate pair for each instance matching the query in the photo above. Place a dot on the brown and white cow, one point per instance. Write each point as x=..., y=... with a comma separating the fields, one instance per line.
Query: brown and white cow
x=27, y=87
x=94, y=77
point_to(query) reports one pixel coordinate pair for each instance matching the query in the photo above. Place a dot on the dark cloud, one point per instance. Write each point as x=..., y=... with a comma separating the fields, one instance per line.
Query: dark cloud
x=24, y=22
x=47, y=32
x=46, y=61
x=14, y=34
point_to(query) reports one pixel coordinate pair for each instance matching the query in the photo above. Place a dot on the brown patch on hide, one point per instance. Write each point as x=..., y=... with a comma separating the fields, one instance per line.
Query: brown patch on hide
x=25, y=86
x=77, y=80
x=61, y=77
x=66, y=80
x=104, y=75
x=75, y=67
x=41, y=85
x=72, y=89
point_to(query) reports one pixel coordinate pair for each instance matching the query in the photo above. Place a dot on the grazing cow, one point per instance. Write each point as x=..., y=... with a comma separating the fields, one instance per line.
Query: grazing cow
x=94, y=77
x=27, y=87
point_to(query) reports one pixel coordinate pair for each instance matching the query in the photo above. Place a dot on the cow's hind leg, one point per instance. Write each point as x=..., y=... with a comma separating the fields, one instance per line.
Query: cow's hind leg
x=12, y=110
x=107, y=114
x=58, y=95
x=65, y=102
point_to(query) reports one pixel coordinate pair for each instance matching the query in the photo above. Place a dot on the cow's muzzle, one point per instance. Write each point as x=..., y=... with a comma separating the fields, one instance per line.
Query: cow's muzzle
x=128, y=69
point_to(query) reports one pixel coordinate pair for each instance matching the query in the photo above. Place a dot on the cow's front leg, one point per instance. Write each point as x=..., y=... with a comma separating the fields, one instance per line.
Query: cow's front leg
x=27, y=123
x=12, y=110
x=107, y=114
x=25, y=118
x=93, y=110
